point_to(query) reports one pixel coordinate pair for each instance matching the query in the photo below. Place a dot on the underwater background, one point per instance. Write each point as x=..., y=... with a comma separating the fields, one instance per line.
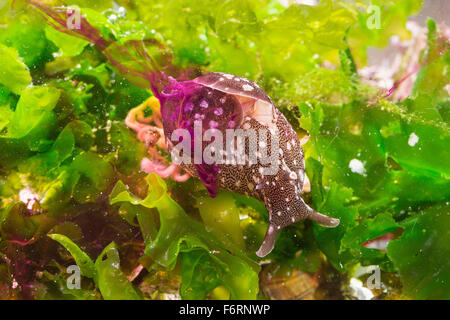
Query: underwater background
x=364, y=83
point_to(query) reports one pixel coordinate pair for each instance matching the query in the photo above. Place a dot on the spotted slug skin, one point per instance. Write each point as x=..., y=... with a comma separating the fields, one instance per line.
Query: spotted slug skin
x=223, y=101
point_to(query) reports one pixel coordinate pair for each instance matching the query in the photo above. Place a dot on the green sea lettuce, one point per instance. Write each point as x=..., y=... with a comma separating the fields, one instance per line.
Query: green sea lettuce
x=106, y=272
x=180, y=234
x=421, y=254
x=378, y=165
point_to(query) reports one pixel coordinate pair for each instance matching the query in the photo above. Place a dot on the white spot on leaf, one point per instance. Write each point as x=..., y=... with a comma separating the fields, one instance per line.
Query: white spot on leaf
x=413, y=139
x=357, y=166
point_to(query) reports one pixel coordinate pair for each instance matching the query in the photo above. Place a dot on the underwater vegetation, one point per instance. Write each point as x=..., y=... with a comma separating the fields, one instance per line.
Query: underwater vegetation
x=74, y=191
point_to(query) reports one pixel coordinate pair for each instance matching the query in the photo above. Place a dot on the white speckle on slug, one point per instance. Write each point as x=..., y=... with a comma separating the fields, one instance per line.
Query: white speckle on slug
x=204, y=104
x=247, y=87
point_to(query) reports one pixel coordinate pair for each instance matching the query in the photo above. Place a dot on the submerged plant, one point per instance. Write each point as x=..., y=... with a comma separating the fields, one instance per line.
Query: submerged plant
x=71, y=168
x=221, y=101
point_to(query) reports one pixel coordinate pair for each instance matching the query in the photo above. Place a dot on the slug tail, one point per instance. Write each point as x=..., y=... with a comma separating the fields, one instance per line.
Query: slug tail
x=268, y=242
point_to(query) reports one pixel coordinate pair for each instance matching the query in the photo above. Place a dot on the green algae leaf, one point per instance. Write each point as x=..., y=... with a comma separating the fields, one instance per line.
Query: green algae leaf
x=367, y=229
x=30, y=41
x=16, y=226
x=34, y=105
x=100, y=72
x=96, y=174
x=220, y=216
x=146, y=219
x=429, y=94
x=235, y=16
x=422, y=254
x=377, y=21
x=378, y=151
x=7, y=97
x=14, y=73
x=59, y=192
x=70, y=46
x=44, y=163
x=111, y=281
x=129, y=150
x=336, y=204
x=372, y=153
x=199, y=275
x=6, y=115
x=83, y=261
x=180, y=234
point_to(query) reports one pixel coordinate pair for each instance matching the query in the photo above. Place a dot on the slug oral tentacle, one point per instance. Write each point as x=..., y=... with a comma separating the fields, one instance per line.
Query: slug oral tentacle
x=323, y=220
x=268, y=242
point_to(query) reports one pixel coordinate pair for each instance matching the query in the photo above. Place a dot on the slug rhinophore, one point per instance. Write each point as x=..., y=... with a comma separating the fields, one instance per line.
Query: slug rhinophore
x=217, y=101
x=223, y=101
